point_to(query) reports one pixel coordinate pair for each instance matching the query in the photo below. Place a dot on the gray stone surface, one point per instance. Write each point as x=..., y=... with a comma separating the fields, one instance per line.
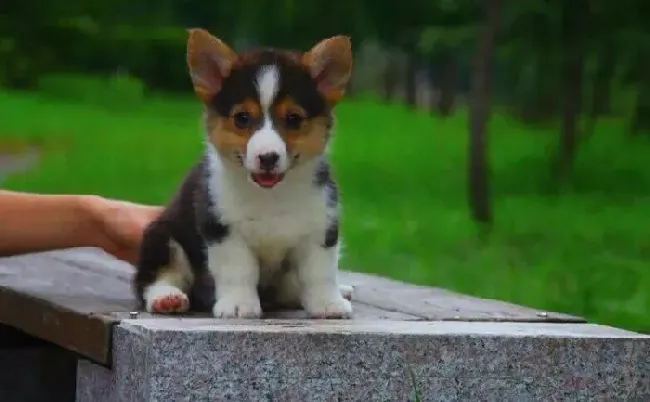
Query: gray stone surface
x=298, y=360
x=95, y=383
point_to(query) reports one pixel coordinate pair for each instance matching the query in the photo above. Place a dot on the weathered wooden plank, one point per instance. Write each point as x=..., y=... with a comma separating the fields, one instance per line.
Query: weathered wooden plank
x=437, y=304
x=81, y=332
x=74, y=297
x=362, y=312
x=61, y=301
x=108, y=282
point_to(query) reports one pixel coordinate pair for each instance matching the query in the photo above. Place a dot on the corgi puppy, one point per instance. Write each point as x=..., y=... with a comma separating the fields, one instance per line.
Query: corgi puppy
x=255, y=222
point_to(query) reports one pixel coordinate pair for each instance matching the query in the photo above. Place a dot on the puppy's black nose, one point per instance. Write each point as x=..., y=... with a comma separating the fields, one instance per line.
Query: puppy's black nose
x=268, y=160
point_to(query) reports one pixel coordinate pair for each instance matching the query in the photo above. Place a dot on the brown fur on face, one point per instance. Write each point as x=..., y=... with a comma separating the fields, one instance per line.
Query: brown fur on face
x=224, y=134
x=309, y=85
x=310, y=139
x=230, y=143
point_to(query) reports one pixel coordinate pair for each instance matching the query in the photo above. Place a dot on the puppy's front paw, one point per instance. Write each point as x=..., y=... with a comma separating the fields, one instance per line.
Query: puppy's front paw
x=237, y=307
x=346, y=291
x=164, y=299
x=335, y=307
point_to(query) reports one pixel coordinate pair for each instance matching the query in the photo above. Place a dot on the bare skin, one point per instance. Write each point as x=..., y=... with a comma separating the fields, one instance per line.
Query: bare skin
x=39, y=222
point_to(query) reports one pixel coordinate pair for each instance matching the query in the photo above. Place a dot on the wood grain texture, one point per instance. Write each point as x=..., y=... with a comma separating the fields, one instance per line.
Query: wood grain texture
x=61, y=297
x=435, y=304
x=73, y=298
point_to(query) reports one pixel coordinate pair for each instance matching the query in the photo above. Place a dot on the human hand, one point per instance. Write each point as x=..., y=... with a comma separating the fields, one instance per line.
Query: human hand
x=120, y=225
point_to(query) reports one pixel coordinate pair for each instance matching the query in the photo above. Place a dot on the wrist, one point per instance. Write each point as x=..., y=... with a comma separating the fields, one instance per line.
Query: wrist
x=91, y=210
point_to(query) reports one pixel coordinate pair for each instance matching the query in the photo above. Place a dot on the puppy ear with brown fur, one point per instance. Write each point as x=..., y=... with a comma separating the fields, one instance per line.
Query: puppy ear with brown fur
x=209, y=60
x=330, y=65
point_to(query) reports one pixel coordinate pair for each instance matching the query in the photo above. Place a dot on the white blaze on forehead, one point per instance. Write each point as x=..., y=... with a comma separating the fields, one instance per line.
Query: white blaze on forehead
x=268, y=83
x=266, y=139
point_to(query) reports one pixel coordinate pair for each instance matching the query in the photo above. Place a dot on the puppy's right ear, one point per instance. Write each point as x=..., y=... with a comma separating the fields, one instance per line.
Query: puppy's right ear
x=210, y=61
x=330, y=65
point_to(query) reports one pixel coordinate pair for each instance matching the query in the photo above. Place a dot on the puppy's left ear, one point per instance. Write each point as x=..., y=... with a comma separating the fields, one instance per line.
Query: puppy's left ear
x=330, y=65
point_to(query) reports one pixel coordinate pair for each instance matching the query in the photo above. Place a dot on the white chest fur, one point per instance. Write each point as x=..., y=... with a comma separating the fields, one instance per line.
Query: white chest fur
x=270, y=221
x=266, y=226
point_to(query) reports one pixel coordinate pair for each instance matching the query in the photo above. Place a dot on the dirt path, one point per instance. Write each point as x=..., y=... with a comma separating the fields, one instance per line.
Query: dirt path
x=13, y=163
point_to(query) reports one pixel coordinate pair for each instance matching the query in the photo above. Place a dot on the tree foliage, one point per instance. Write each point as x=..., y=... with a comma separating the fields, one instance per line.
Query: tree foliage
x=553, y=60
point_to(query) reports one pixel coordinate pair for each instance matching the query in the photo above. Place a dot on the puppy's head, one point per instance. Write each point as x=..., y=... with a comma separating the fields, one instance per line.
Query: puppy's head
x=268, y=111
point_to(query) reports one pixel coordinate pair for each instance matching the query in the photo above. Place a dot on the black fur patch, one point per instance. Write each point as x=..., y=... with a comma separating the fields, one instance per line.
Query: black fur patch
x=187, y=220
x=323, y=178
x=332, y=234
x=294, y=81
x=322, y=175
x=212, y=229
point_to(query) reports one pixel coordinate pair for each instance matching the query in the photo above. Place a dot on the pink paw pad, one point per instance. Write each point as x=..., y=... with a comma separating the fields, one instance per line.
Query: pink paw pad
x=329, y=313
x=176, y=303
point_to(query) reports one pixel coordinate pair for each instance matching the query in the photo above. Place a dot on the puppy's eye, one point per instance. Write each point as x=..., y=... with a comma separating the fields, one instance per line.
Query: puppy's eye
x=293, y=120
x=242, y=119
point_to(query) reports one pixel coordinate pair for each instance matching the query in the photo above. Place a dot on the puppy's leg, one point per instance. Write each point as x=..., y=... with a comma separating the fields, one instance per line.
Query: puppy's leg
x=317, y=267
x=288, y=291
x=163, y=273
x=168, y=294
x=236, y=275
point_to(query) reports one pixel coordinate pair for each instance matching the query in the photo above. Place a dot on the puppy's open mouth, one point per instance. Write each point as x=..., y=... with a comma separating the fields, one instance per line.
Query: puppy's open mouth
x=267, y=179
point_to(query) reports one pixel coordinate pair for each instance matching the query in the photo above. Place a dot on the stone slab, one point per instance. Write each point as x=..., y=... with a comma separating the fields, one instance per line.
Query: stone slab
x=96, y=383
x=194, y=359
x=74, y=297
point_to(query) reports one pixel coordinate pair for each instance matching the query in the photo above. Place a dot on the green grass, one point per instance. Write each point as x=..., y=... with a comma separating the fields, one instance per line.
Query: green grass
x=402, y=176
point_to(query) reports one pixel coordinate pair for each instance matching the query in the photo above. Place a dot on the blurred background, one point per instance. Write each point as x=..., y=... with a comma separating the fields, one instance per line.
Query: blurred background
x=496, y=148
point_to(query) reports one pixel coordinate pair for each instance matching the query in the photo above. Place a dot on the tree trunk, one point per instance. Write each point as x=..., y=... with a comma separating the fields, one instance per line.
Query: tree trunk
x=443, y=78
x=449, y=78
x=411, y=81
x=575, y=18
x=641, y=119
x=478, y=167
x=601, y=86
x=537, y=91
x=432, y=74
x=600, y=102
x=390, y=78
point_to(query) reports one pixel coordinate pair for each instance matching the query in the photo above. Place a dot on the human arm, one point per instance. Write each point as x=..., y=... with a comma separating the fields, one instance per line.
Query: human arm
x=37, y=222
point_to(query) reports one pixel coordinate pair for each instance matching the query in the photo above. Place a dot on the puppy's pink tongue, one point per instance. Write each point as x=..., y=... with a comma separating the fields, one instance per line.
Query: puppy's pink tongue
x=266, y=179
